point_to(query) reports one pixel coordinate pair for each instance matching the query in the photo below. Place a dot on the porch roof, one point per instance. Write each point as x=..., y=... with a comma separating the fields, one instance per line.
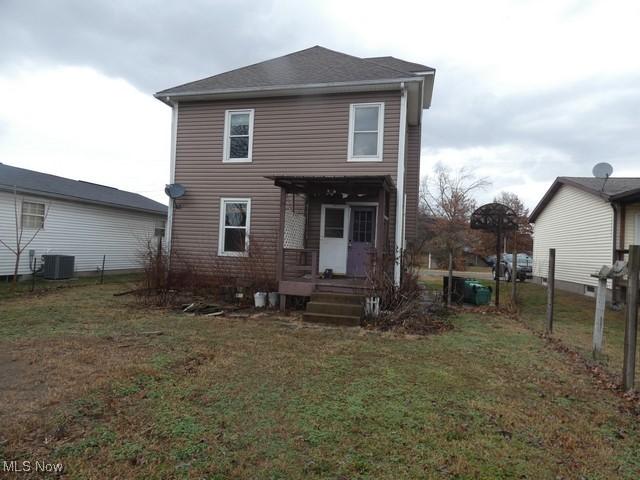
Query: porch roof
x=343, y=184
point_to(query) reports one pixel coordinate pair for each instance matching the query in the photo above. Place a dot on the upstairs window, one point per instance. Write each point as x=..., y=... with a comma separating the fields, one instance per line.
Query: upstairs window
x=32, y=215
x=235, y=214
x=238, y=136
x=366, y=125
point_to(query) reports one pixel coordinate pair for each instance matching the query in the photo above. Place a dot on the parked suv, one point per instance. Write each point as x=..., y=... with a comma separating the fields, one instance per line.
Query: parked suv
x=524, y=269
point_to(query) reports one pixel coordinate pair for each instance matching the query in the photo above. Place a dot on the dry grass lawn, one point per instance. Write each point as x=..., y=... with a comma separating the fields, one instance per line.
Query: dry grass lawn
x=83, y=383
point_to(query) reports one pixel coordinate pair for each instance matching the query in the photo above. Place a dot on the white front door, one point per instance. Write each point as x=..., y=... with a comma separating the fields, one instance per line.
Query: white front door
x=637, y=229
x=334, y=238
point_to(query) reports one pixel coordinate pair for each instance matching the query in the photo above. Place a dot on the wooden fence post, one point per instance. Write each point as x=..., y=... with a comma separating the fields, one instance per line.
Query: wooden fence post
x=104, y=257
x=631, y=327
x=598, y=326
x=551, y=286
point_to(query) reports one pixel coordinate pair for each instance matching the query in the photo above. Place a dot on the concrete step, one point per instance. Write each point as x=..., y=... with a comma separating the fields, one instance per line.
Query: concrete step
x=342, y=298
x=348, y=309
x=345, y=320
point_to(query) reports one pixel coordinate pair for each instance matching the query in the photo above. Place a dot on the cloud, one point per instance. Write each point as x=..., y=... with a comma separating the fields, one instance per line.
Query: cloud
x=155, y=45
x=508, y=167
x=92, y=127
x=525, y=91
x=562, y=131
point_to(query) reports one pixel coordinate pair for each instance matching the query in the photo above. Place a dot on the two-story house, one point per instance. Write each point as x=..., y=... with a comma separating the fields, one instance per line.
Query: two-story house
x=315, y=156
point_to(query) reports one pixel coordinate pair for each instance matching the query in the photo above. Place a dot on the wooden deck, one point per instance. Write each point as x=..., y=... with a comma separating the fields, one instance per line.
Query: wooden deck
x=299, y=276
x=304, y=287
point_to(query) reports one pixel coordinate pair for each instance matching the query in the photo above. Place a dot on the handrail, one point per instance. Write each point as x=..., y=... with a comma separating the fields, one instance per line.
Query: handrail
x=312, y=269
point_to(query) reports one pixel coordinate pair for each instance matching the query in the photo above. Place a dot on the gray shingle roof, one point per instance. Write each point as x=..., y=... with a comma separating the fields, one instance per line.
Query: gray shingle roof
x=613, y=189
x=398, y=64
x=315, y=65
x=36, y=183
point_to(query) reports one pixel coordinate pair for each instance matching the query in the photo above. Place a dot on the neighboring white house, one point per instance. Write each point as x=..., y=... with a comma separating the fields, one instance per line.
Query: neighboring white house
x=76, y=218
x=590, y=222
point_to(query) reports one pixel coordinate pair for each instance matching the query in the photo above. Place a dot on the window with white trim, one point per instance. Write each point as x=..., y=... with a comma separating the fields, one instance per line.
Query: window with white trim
x=238, y=136
x=159, y=229
x=366, y=131
x=235, y=218
x=32, y=215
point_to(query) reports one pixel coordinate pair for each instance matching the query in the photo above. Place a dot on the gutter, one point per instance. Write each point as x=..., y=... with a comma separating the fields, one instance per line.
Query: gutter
x=71, y=198
x=614, y=206
x=400, y=197
x=166, y=95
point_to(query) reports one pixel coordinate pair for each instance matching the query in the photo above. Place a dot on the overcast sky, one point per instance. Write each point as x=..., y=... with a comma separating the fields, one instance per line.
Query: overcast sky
x=524, y=92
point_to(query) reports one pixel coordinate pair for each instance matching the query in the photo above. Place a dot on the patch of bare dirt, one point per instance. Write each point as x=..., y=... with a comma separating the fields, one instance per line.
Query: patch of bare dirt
x=39, y=375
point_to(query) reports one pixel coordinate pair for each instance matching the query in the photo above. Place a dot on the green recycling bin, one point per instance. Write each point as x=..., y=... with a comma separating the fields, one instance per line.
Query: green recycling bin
x=476, y=293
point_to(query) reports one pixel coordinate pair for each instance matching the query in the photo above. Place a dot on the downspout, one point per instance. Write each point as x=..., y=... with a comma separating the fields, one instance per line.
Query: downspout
x=615, y=232
x=172, y=172
x=399, y=233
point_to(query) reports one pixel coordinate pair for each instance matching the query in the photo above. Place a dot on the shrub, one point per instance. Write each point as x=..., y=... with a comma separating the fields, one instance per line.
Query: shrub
x=169, y=281
x=404, y=308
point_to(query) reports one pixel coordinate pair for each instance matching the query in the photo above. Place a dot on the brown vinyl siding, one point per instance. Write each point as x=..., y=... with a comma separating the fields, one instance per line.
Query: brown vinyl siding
x=292, y=136
x=412, y=181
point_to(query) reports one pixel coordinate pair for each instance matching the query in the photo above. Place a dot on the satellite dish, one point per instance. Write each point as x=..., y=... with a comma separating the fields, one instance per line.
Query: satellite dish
x=602, y=170
x=175, y=190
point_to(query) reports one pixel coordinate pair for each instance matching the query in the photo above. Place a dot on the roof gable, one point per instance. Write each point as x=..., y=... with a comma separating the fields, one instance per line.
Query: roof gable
x=312, y=66
x=611, y=189
x=37, y=183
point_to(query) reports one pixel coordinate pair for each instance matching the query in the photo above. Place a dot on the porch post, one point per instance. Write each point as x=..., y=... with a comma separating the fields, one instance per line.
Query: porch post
x=280, y=239
x=314, y=266
x=380, y=231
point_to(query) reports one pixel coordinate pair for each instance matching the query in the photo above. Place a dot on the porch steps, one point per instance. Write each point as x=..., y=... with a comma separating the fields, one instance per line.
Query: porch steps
x=335, y=297
x=346, y=309
x=334, y=308
x=345, y=289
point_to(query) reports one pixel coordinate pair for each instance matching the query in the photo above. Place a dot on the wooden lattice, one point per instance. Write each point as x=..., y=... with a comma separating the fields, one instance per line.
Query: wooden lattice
x=293, y=229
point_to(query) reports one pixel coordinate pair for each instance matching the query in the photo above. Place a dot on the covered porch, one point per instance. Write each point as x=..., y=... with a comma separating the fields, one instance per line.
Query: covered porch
x=333, y=232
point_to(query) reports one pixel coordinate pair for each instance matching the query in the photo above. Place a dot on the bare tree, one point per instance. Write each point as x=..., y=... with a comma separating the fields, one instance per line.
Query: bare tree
x=520, y=238
x=20, y=247
x=448, y=198
x=514, y=202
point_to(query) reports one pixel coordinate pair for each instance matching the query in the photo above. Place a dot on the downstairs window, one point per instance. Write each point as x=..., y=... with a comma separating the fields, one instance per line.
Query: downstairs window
x=235, y=214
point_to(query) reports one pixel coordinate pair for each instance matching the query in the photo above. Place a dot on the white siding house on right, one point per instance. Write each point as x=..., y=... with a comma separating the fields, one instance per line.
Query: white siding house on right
x=590, y=222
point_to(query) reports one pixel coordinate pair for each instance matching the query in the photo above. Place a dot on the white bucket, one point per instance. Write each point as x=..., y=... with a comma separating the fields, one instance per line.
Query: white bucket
x=260, y=299
x=273, y=299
